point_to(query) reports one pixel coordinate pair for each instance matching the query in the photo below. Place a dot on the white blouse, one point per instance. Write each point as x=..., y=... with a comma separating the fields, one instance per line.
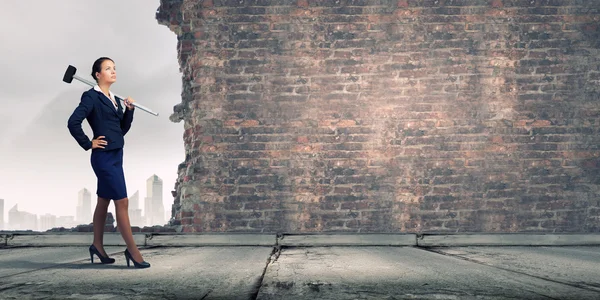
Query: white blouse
x=112, y=96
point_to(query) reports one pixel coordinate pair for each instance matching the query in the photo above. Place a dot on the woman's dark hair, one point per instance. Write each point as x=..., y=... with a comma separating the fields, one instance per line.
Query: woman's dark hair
x=98, y=65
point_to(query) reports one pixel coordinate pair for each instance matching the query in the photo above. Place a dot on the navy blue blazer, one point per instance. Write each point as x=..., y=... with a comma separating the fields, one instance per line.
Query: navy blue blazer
x=103, y=118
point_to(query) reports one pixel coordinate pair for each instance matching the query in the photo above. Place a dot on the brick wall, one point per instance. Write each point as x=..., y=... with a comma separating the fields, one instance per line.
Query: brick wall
x=388, y=116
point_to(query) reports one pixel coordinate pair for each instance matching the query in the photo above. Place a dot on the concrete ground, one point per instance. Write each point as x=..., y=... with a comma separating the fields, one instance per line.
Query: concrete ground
x=321, y=272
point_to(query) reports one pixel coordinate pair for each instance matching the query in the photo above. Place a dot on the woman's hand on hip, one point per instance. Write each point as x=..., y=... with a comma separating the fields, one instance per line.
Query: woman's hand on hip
x=99, y=143
x=129, y=103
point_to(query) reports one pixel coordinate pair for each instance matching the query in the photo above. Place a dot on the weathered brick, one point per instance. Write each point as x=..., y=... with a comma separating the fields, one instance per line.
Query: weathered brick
x=386, y=115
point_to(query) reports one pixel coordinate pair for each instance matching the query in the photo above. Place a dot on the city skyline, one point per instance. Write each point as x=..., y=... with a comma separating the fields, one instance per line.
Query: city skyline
x=17, y=219
x=46, y=179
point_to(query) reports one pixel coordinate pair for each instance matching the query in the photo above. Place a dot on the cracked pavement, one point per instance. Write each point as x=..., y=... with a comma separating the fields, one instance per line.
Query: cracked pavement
x=249, y=272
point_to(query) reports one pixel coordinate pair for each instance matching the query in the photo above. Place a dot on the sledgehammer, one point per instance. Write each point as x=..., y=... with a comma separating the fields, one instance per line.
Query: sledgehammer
x=70, y=75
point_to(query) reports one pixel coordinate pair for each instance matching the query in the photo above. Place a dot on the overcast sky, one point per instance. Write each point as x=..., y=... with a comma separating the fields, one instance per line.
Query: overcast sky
x=42, y=167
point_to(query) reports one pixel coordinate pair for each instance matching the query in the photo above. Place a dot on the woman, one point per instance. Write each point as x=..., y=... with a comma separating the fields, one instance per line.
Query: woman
x=109, y=123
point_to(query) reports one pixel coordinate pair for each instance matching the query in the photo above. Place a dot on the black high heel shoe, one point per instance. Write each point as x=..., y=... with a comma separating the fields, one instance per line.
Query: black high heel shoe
x=104, y=260
x=128, y=257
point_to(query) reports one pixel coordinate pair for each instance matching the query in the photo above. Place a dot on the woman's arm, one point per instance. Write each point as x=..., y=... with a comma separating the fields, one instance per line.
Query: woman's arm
x=85, y=107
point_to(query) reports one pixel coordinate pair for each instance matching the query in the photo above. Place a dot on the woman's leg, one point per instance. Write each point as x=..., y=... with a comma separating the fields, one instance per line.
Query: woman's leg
x=99, y=223
x=122, y=210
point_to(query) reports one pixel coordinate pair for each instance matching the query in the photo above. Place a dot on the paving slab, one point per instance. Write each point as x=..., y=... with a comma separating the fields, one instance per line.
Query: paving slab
x=26, y=259
x=348, y=240
x=400, y=273
x=69, y=239
x=176, y=273
x=176, y=240
x=508, y=239
x=576, y=266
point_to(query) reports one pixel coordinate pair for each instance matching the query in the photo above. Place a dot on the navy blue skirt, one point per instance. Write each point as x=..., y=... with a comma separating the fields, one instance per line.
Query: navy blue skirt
x=108, y=167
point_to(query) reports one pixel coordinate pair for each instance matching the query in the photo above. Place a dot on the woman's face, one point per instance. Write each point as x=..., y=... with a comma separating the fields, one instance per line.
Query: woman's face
x=108, y=73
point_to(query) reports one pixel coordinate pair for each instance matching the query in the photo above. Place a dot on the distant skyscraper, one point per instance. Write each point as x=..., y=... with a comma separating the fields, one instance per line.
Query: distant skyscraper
x=135, y=212
x=14, y=218
x=47, y=221
x=1, y=214
x=154, y=210
x=66, y=222
x=30, y=221
x=84, y=207
x=21, y=220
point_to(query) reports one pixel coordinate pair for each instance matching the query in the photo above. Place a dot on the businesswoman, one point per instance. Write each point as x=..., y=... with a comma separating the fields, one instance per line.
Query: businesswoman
x=109, y=123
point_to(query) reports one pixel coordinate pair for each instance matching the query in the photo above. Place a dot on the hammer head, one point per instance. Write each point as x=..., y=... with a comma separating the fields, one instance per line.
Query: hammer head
x=69, y=74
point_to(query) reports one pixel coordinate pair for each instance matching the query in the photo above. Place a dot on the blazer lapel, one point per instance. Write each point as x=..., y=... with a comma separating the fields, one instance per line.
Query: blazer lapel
x=109, y=104
x=120, y=108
